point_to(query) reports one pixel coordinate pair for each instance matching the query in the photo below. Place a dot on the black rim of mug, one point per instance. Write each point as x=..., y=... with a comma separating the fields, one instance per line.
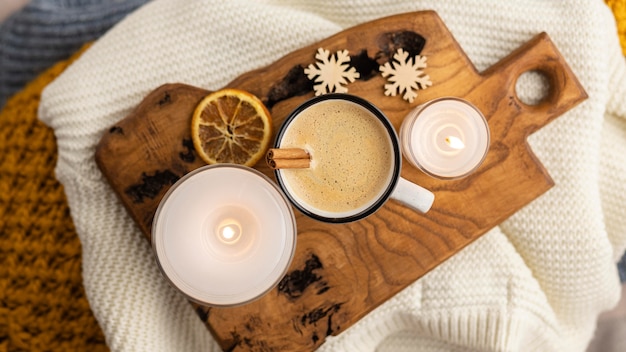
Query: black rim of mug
x=396, y=155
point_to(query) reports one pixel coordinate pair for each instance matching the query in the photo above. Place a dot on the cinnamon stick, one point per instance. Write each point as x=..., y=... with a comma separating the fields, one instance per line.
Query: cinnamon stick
x=288, y=158
x=289, y=163
x=287, y=153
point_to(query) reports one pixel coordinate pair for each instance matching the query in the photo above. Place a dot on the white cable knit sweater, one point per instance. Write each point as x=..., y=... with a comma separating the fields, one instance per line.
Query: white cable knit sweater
x=537, y=282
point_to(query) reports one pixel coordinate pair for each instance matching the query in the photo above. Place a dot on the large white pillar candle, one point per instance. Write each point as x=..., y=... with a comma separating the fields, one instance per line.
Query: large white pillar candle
x=446, y=138
x=224, y=235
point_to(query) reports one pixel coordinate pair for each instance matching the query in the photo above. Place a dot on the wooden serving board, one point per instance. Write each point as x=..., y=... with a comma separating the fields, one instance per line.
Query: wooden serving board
x=342, y=271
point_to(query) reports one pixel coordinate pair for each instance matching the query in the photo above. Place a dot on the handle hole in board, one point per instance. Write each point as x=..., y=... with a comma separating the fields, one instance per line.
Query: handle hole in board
x=533, y=87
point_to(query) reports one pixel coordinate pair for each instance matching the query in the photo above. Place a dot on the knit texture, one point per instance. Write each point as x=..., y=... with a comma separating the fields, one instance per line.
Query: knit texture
x=46, y=31
x=42, y=301
x=618, y=7
x=537, y=282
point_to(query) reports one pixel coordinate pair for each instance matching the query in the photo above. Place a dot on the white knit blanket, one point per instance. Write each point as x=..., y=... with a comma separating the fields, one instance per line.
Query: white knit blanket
x=537, y=282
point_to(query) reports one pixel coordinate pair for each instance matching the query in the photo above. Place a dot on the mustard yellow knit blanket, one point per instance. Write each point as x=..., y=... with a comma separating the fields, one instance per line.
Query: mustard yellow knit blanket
x=42, y=300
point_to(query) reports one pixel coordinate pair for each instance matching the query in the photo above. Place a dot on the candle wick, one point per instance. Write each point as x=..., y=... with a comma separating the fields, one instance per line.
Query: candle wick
x=454, y=142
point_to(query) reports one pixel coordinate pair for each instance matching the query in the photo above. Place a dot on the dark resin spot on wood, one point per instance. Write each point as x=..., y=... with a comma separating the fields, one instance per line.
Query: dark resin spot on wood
x=390, y=42
x=151, y=185
x=295, y=282
x=167, y=98
x=366, y=67
x=203, y=313
x=116, y=130
x=315, y=338
x=293, y=84
x=315, y=315
x=188, y=155
x=322, y=290
x=235, y=341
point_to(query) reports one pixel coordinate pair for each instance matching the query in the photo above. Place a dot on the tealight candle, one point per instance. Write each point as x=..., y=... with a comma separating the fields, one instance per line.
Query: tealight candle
x=447, y=138
x=224, y=235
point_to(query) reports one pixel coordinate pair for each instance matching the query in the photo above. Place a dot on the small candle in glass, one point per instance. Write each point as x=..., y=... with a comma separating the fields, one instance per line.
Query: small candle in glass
x=447, y=138
x=224, y=235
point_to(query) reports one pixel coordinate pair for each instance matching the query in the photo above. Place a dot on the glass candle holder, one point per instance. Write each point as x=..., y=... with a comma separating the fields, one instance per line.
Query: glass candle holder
x=224, y=235
x=446, y=138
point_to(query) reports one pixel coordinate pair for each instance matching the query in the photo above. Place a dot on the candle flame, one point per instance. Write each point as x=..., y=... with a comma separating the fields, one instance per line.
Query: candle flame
x=229, y=232
x=454, y=142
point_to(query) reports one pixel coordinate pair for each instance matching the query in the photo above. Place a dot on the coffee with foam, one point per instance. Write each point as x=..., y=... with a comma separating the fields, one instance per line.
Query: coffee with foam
x=352, y=158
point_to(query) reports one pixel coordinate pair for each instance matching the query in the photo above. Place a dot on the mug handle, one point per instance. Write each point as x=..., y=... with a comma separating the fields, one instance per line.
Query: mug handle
x=413, y=196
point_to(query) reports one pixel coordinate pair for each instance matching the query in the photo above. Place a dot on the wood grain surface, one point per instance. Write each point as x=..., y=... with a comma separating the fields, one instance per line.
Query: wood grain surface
x=341, y=272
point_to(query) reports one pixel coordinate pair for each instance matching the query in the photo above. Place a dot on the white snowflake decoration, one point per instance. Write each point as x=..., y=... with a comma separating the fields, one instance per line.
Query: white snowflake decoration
x=331, y=73
x=406, y=75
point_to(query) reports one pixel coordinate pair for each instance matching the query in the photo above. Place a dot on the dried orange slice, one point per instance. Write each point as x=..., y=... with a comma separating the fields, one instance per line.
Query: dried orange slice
x=231, y=126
